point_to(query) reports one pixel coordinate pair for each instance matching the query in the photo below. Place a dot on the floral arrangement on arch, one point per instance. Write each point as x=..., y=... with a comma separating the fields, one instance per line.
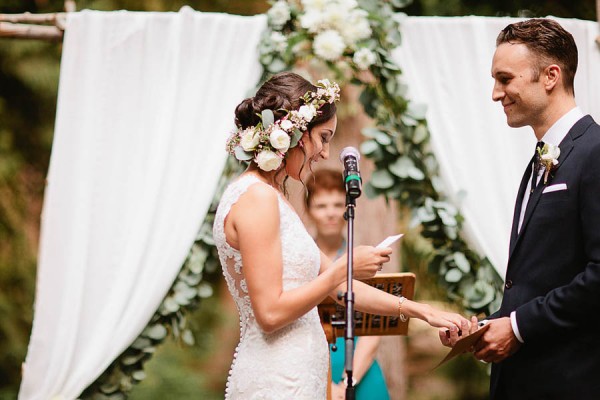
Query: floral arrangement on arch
x=339, y=32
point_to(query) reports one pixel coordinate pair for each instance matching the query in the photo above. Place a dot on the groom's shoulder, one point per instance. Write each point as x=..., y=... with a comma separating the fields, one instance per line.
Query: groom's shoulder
x=590, y=124
x=587, y=132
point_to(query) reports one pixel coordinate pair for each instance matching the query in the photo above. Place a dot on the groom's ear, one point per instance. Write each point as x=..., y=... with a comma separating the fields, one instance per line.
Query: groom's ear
x=551, y=76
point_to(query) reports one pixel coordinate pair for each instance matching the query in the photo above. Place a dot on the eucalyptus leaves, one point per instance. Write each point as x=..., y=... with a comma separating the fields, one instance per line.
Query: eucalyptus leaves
x=342, y=33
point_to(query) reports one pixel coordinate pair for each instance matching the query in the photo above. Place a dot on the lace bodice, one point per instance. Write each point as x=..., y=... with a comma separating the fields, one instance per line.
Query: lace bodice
x=293, y=361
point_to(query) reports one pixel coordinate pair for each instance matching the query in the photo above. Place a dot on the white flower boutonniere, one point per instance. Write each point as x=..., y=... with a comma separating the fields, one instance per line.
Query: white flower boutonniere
x=548, y=158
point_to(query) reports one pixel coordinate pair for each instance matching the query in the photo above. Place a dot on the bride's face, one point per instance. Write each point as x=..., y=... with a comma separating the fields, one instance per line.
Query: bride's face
x=316, y=146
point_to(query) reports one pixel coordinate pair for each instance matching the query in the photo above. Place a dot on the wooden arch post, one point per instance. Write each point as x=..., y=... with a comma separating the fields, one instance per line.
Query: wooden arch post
x=36, y=26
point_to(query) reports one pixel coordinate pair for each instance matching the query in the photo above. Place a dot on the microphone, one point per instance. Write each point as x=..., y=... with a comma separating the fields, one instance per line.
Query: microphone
x=350, y=157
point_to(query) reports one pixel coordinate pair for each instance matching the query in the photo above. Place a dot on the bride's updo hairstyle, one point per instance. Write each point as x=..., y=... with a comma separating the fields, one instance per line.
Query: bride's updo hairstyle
x=281, y=92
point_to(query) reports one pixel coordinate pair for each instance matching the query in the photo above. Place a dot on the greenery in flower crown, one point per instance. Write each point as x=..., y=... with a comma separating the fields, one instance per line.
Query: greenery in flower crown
x=268, y=142
x=354, y=39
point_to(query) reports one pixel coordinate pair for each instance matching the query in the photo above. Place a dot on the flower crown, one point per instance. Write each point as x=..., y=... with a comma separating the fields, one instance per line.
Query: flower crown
x=268, y=141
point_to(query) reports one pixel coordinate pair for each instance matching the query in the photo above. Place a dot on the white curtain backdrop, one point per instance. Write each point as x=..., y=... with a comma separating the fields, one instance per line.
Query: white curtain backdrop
x=447, y=65
x=145, y=105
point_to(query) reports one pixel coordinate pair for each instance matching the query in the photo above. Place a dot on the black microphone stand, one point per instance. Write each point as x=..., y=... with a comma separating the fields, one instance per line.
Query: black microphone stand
x=349, y=296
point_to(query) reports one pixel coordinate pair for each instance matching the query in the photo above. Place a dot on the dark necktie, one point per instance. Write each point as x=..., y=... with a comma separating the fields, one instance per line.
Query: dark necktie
x=536, y=165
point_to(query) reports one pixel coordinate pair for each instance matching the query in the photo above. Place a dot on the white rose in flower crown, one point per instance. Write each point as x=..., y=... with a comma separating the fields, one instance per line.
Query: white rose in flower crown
x=364, y=58
x=329, y=45
x=307, y=112
x=280, y=140
x=279, y=14
x=286, y=124
x=249, y=139
x=268, y=160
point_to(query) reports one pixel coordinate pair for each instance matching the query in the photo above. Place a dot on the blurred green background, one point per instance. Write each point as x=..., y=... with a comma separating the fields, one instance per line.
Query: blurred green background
x=29, y=73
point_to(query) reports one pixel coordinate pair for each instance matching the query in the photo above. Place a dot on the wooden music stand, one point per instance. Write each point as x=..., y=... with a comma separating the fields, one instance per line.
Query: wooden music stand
x=332, y=313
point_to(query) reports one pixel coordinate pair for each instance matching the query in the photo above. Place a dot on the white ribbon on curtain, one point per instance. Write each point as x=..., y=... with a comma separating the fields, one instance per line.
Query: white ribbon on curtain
x=145, y=105
x=446, y=63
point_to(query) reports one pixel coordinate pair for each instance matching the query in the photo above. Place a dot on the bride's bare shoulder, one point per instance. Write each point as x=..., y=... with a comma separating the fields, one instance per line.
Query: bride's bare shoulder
x=259, y=199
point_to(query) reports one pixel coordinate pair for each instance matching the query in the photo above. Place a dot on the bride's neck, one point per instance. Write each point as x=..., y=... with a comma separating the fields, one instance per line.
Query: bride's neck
x=271, y=177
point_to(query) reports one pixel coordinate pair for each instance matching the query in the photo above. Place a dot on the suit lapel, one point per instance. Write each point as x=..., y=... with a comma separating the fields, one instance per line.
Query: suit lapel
x=566, y=146
x=518, y=204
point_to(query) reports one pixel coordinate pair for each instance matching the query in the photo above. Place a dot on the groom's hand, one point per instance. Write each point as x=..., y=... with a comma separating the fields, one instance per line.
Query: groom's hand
x=498, y=342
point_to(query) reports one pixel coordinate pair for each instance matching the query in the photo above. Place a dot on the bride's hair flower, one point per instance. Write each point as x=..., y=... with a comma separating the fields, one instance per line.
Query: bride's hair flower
x=286, y=125
x=307, y=112
x=249, y=139
x=268, y=160
x=268, y=142
x=280, y=140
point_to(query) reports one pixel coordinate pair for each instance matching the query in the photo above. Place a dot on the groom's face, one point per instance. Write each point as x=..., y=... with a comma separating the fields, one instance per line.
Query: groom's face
x=517, y=85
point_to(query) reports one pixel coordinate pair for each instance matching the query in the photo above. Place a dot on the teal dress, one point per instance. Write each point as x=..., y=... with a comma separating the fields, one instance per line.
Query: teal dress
x=372, y=384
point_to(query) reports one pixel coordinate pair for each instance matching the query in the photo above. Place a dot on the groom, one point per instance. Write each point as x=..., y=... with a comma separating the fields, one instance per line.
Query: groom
x=544, y=342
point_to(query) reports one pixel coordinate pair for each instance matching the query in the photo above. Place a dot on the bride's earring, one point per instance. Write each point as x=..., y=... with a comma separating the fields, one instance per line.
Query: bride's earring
x=300, y=143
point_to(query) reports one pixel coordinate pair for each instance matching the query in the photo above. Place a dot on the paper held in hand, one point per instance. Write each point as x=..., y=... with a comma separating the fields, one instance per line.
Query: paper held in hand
x=463, y=345
x=387, y=242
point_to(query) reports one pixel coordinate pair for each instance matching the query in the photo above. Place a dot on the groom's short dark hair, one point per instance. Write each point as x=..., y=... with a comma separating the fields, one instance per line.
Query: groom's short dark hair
x=549, y=41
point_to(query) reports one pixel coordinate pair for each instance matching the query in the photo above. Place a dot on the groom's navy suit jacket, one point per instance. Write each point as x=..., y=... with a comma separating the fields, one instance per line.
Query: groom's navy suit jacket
x=553, y=279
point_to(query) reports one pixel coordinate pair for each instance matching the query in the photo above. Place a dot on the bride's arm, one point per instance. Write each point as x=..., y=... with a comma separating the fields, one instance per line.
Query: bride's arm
x=255, y=219
x=374, y=301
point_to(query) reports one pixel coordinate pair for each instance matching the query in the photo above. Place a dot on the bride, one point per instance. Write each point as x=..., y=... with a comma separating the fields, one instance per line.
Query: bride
x=273, y=268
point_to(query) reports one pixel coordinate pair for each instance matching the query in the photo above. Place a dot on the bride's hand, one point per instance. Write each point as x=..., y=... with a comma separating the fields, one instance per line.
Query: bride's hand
x=450, y=337
x=443, y=319
x=368, y=260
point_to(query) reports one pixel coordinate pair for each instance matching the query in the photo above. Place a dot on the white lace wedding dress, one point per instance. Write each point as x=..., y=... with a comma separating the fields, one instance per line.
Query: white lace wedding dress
x=292, y=362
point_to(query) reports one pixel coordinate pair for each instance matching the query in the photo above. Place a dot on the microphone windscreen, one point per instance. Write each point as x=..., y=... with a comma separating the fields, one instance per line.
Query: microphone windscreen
x=349, y=151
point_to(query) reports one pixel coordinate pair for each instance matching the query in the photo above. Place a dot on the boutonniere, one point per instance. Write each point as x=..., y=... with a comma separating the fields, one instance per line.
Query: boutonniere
x=548, y=158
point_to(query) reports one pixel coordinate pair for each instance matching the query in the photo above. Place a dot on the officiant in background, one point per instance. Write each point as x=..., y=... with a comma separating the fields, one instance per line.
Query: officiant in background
x=325, y=204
